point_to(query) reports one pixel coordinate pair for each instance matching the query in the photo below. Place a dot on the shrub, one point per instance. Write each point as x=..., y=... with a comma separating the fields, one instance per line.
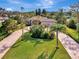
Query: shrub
x=36, y=31
x=72, y=24
x=20, y=26
x=9, y=25
x=51, y=35
x=45, y=35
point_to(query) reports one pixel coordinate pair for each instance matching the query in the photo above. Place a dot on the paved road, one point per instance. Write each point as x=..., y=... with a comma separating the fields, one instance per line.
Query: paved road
x=70, y=45
x=7, y=42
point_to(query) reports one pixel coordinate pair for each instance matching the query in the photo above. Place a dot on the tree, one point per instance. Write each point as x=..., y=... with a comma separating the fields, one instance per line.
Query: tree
x=36, y=31
x=57, y=28
x=69, y=13
x=44, y=12
x=18, y=19
x=36, y=12
x=9, y=25
x=22, y=21
x=72, y=24
x=2, y=9
x=39, y=11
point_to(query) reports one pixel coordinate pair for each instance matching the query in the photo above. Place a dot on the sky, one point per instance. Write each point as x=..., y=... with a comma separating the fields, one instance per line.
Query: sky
x=30, y=5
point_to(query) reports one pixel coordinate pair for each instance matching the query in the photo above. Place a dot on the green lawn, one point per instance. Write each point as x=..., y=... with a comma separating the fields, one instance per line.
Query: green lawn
x=31, y=48
x=0, y=24
x=73, y=34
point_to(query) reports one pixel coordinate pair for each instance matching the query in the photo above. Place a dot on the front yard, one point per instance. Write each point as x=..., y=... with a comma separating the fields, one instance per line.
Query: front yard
x=31, y=48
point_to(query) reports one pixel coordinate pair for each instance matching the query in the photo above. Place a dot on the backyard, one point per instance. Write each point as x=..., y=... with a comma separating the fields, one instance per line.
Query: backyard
x=31, y=48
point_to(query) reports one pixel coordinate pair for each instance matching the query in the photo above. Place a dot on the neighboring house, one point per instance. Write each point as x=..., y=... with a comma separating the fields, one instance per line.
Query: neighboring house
x=12, y=15
x=42, y=20
x=2, y=19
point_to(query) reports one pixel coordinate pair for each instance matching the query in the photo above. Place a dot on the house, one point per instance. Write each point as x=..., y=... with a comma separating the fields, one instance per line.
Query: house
x=42, y=20
x=48, y=22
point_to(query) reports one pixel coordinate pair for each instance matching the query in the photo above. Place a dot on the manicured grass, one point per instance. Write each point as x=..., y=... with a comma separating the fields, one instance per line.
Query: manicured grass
x=73, y=34
x=0, y=24
x=31, y=48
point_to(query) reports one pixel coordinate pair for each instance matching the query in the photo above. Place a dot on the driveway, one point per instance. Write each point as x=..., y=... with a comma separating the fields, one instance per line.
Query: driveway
x=70, y=45
x=7, y=42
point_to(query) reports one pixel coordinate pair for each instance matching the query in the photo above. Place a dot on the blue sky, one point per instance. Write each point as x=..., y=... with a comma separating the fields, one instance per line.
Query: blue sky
x=29, y=5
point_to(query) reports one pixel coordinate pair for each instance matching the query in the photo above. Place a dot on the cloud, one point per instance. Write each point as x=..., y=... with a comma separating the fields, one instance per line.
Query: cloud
x=14, y=1
x=39, y=4
x=45, y=3
x=9, y=9
x=49, y=2
x=66, y=8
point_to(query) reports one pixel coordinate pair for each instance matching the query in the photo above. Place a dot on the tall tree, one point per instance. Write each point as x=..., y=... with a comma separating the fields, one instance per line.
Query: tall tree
x=39, y=11
x=44, y=12
x=36, y=11
x=22, y=21
x=57, y=28
x=9, y=25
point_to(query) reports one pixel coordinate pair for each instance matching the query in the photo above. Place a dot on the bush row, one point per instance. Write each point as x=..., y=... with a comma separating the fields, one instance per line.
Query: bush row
x=39, y=32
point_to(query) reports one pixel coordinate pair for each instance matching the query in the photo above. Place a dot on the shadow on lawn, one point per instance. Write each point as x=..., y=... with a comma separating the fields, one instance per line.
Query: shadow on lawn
x=37, y=42
x=16, y=44
x=52, y=54
x=27, y=38
x=44, y=55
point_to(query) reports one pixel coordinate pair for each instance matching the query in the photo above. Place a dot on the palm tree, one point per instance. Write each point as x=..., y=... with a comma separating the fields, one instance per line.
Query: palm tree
x=22, y=8
x=57, y=28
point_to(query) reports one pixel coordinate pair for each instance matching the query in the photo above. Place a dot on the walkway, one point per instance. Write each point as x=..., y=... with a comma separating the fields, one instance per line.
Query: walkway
x=7, y=42
x=70, y=45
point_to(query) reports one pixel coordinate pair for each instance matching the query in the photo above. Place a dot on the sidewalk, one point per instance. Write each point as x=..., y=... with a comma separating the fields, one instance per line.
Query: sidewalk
x=70, y=45
x=7, y=42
